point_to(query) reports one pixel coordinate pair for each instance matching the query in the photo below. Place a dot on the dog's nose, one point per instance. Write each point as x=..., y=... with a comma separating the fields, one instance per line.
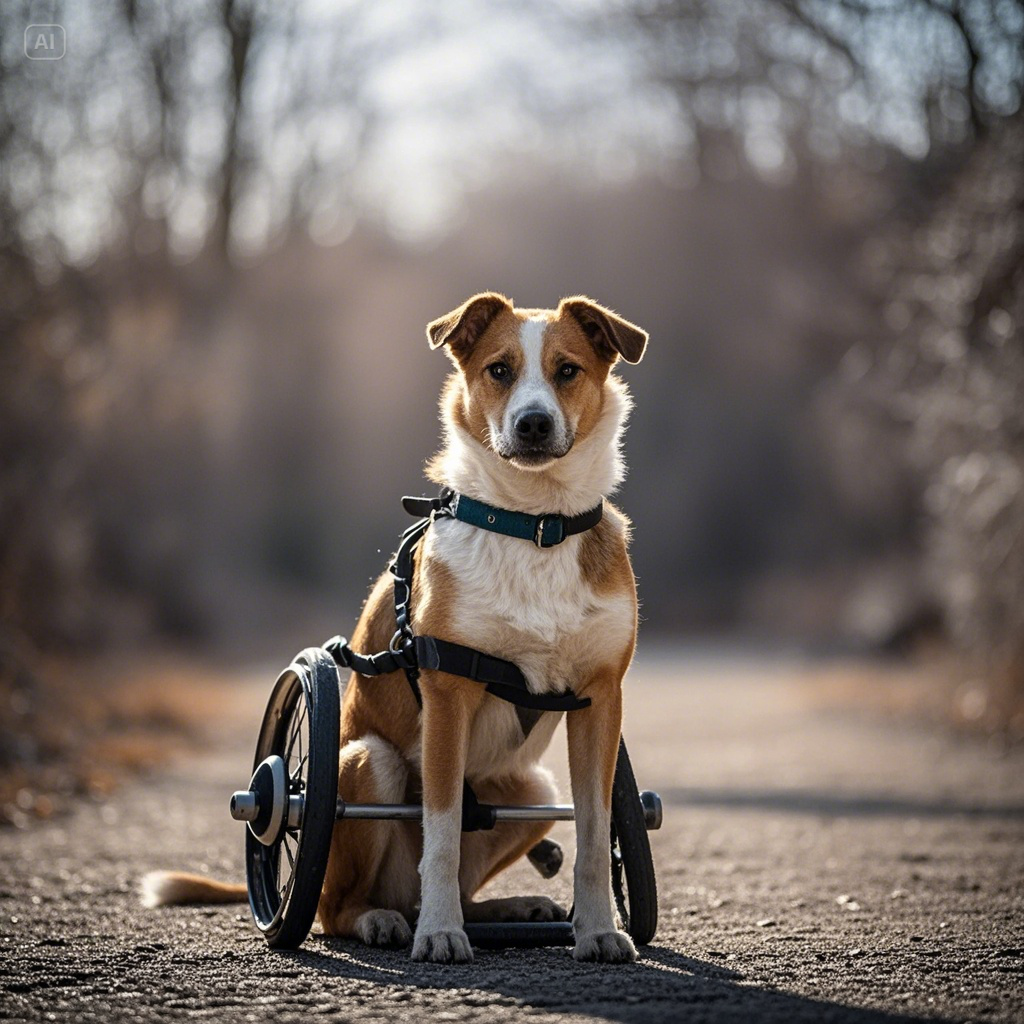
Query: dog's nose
x=534, y=426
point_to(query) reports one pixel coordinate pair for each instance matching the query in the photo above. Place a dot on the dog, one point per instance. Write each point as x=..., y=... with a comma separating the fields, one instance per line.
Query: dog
x=533, y=416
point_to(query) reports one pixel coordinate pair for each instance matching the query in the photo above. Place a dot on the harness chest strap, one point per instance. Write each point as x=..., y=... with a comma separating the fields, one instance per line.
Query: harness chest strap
x=501, y=678
x=410, y=652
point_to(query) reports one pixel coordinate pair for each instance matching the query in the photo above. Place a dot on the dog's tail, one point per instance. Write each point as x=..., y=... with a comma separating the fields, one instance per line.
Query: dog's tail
x=165, y=888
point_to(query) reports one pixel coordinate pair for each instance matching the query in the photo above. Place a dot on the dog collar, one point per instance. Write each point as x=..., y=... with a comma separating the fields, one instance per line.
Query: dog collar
x=546, y=530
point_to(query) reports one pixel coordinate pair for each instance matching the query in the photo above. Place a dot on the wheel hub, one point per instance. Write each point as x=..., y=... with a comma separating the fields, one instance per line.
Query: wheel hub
x=266, y=805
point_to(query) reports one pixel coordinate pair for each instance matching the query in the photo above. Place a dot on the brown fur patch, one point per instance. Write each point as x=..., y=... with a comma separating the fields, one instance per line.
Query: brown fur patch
x=593, y=732
x=480, y=394
x=383, y=705
x=461, y=328
x=611, y=334
x=434, y=597
x=582, y=398
x=603, y=555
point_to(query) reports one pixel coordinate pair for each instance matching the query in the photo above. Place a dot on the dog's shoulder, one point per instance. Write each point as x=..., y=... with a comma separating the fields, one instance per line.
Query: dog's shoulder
x=377, y=619
x=604, y=553
x=383, y=706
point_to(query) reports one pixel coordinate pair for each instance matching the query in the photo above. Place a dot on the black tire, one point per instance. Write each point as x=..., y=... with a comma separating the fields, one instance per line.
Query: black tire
x=633, y=881
x=300, y=725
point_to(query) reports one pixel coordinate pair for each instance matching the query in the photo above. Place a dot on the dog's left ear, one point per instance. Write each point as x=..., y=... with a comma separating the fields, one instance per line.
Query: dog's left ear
x=611, y=335
x=461, y=329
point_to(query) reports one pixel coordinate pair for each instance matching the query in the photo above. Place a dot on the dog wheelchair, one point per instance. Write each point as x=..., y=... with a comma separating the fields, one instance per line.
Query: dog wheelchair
x=292, y=802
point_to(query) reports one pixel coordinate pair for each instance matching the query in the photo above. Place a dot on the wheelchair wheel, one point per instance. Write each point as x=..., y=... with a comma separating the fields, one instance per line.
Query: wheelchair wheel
x=296, y=778
x=633, y=882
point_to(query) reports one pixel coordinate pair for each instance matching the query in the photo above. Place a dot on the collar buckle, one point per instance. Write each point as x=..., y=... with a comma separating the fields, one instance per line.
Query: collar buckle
x=550, y=531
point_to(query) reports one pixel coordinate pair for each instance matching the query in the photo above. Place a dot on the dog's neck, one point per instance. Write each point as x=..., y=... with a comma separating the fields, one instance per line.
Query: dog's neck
x=592, y=469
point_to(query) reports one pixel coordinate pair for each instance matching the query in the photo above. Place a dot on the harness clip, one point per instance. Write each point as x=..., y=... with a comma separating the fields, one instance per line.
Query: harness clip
x=403, y=647
x=550, y=531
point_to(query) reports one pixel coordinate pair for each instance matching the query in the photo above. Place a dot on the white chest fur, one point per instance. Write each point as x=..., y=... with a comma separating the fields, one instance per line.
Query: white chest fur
x=528, y=605
x=532, y=607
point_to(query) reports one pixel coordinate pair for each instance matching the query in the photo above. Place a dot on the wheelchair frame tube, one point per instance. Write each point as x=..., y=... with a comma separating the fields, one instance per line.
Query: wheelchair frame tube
x=414, y=812
x=245, y=807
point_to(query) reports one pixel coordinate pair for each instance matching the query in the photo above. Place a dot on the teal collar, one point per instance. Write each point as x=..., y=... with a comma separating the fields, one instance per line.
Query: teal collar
x=546, y=530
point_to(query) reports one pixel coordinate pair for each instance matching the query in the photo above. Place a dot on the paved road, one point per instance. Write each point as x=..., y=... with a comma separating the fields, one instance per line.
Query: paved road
x=818, y=862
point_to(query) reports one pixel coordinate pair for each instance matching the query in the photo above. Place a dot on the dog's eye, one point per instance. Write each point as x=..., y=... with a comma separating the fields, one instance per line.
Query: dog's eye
x=567, y=371
x=499, y=371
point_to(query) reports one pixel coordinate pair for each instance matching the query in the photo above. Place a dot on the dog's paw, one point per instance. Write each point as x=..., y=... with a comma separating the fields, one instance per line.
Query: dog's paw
x=383, y=928
x=528, y=908
x=445, y=946
x=546, y=856
x=605, y=948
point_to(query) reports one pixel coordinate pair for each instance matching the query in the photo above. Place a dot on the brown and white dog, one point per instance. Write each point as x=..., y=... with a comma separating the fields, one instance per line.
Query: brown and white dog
x=533, y=418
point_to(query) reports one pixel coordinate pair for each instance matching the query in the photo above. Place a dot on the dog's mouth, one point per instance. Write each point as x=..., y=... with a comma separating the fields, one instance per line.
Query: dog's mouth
x=533, y=457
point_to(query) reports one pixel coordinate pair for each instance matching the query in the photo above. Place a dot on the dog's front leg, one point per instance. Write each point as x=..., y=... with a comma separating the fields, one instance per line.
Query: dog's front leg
x=447, y=710
x=593, y=747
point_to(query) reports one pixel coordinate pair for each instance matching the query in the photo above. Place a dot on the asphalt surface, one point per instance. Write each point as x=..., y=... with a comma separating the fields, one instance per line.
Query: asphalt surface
x=818, y=862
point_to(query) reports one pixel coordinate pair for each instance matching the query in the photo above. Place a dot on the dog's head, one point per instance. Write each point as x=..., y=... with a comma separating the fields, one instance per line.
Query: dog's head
x=533, y=379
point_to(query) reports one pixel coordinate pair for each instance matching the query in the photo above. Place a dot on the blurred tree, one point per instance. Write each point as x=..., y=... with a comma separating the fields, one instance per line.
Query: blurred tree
x=911, y=74
x=940, y=388
x=169, y=367
x=157, y=138
x=948, y=377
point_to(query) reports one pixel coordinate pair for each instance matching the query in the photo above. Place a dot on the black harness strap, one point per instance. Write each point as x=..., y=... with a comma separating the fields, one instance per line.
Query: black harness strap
x=379, y=664
x=418, y=506
x=501, y=678
x=475, y=815
x=410, y=653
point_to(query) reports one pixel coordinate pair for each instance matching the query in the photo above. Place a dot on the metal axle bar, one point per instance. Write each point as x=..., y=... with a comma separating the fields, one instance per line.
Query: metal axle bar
x=414, y=812
x=245, y=807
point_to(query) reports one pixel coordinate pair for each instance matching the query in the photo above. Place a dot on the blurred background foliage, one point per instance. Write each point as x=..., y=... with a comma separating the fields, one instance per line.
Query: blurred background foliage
x=224, y=224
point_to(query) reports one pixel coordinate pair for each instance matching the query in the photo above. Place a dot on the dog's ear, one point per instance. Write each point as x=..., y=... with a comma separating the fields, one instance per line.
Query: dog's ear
x=610, y=334
x=460, y=329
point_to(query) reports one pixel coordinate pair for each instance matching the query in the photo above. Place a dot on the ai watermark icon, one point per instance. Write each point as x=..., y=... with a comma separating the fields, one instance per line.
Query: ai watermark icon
x=45, y=42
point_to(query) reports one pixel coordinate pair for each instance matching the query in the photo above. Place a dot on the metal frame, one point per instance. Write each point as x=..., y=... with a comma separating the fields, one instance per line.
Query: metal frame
x=525, y=812
x=244, y=807
x=414, y=812
x=287, y=811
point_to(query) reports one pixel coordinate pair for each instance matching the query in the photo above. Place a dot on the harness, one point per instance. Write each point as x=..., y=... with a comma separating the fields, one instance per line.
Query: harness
x=411, y=652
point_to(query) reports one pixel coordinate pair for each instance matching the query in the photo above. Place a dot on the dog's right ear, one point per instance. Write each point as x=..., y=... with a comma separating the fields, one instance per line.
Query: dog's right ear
x=461, y=329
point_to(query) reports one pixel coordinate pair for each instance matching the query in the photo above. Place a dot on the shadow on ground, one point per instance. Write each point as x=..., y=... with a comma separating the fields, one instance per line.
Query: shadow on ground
x=664, y=985
x=811, y=801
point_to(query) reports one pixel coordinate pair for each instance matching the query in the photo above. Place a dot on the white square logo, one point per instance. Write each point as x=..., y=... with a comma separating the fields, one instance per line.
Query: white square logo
x=45, y=42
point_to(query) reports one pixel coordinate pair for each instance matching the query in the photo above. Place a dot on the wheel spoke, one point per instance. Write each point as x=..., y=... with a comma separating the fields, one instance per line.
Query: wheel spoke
x=295, y=753
x=295, y=738
x=293, y=732
x=296, y=732
x=273, y=867
x=285, y=886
